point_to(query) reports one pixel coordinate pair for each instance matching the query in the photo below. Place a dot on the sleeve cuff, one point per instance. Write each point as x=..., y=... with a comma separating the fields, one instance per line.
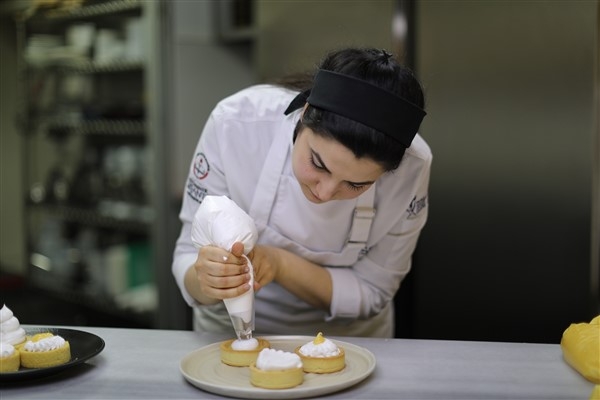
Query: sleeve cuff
x=345, y=300
x=180, y=268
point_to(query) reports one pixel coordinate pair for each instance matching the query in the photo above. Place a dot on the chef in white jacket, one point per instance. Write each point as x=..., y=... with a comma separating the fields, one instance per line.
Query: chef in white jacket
x=335, y=177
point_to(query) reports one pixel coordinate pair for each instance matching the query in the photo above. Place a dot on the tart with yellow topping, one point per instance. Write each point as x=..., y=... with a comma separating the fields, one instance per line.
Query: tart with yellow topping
x=321, y=356
x=45, y=350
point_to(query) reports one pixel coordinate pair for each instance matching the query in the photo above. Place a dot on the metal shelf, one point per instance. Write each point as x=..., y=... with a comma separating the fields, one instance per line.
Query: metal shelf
x=90, y=67
x=92, y=217
x=112, y=127
x=95, y=10
x=63, y=133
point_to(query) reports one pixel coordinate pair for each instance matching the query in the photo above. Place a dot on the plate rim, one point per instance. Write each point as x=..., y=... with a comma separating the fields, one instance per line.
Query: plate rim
x=292, y=393
x=34, y=373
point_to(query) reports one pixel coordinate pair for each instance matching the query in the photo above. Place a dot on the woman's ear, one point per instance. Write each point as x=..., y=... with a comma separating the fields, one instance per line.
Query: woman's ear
x=303, y=111
x=299, y=124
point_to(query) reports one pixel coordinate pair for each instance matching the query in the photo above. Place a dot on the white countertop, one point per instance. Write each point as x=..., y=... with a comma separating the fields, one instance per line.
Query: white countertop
x=144, y=364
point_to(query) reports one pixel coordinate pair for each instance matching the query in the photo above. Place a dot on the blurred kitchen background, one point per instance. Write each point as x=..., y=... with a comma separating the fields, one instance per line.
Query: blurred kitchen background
x=102, y=103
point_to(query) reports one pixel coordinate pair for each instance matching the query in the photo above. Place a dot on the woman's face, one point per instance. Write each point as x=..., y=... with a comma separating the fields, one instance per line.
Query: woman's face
x=327, y=170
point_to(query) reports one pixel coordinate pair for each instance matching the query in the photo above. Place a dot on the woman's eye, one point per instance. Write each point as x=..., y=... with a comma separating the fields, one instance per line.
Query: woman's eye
x=315, y=163
x=355, y=187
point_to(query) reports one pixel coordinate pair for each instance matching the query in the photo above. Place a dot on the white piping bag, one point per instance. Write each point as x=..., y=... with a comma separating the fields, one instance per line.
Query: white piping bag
x=220, y=222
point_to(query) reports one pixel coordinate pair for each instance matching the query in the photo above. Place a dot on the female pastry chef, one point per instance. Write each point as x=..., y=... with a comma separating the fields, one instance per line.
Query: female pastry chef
x=335, y=178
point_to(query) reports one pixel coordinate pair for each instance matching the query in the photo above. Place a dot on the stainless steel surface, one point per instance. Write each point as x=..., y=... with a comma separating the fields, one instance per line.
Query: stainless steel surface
x=506, y=253
x=595, y=271
x=144, y=364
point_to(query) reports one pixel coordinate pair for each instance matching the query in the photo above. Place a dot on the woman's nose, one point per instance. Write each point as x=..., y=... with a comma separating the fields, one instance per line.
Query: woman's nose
x=326, y=190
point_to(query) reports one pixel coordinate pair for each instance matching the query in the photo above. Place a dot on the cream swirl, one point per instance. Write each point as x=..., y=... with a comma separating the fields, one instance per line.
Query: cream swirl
x=320, y=347
x=10, y=328
x=6, y=350
x=244, y=344
x=45, y=344
x=271, y=360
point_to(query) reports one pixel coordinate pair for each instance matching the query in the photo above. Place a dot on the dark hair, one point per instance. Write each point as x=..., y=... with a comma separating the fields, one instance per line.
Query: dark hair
x=377, y=67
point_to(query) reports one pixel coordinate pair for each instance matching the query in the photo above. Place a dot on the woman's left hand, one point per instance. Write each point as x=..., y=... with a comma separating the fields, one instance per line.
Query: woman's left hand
x=265, y=261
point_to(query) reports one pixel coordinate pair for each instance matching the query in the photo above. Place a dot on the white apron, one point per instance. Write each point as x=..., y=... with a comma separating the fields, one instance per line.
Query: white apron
x=277, y=310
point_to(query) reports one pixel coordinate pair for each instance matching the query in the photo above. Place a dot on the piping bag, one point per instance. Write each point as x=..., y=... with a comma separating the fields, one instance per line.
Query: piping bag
x=220, y=222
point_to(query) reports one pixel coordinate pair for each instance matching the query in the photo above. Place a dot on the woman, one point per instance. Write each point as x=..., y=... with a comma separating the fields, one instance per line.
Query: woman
x=335, y=178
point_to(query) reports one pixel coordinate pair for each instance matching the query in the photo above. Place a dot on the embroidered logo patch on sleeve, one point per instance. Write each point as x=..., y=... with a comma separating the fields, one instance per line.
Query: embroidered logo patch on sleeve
x=195, y=191
x=416, y=206
x=201, y=166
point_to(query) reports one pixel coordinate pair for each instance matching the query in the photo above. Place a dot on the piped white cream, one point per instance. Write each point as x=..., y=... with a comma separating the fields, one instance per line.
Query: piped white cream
x=6, y=350
x=324, y=349
x=45, y=344
x=244, y=344
x=10, y=327
x=272, y=360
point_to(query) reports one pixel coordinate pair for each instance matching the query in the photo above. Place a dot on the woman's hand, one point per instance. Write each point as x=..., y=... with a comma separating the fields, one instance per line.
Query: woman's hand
x=306, y=280
x=265, y=261
x=221, y=274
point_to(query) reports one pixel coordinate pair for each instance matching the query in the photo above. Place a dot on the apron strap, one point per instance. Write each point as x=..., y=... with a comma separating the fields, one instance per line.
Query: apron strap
x=262, y=202
x=361, y=222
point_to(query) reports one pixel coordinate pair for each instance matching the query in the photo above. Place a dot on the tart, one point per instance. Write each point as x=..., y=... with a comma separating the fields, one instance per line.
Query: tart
x=276, y=369
x=321, y=356
x=45, y=350
x=10, y=359
x=241, y=357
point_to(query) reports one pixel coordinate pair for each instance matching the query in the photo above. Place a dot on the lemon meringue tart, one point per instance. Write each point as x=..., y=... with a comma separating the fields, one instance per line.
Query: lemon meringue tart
x=45, y=350
x=321, y=356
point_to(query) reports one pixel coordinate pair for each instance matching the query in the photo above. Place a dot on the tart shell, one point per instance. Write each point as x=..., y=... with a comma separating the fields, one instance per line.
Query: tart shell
x=322, y=365
x=241, y=358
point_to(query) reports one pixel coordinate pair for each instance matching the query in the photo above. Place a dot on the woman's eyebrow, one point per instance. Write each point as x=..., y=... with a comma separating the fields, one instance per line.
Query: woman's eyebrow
x=324, y=167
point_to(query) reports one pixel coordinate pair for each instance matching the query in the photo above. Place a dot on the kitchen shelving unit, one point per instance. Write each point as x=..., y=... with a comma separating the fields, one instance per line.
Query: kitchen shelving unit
x=91, y=119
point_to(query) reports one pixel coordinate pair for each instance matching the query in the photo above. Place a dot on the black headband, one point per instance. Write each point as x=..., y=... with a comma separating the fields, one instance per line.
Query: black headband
x=363, y=102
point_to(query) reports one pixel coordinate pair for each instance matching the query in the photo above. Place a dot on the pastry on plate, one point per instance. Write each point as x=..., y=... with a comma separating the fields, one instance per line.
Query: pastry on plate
x=321, y=356
x=276, y=369
x=242, y=353
x=45, y=350
x=10, y=359
x=11, y=331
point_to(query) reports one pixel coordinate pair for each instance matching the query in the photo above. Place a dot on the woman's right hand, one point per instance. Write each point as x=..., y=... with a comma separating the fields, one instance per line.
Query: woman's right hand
x=221, y=274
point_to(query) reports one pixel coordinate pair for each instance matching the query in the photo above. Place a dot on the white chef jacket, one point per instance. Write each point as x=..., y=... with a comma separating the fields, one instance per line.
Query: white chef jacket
x=244, y=152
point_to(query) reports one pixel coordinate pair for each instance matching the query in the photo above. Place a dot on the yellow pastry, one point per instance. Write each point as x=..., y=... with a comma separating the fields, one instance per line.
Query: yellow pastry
x=321, y=356
x=242, y=353
x=580, y=344
x=10, y=359
x=45, y=350
x=276, y=369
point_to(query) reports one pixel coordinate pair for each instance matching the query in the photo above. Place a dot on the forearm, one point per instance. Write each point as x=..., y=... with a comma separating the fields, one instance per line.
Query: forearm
x=306, y=280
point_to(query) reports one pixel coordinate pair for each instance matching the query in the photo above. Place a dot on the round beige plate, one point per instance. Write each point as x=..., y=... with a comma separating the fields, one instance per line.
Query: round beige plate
x=203, y=368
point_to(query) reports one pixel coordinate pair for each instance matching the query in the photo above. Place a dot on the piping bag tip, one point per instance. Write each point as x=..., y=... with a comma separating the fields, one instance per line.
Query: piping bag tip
x=241, y=313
